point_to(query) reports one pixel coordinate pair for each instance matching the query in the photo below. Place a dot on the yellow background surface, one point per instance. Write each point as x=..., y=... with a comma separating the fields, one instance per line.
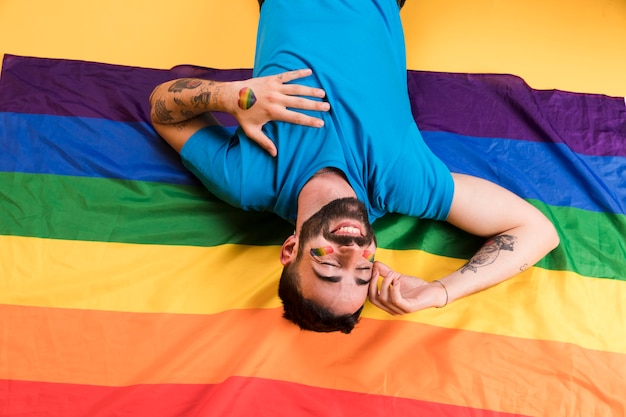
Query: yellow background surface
x=574, y=45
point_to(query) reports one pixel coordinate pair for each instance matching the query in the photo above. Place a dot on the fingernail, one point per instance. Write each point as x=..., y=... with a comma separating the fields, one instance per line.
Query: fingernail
x=325, y=106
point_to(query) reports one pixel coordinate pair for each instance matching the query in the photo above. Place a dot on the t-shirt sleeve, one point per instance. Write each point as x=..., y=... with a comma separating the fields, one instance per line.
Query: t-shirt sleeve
x=212, y=154
x=417, y=184
x=232, y=167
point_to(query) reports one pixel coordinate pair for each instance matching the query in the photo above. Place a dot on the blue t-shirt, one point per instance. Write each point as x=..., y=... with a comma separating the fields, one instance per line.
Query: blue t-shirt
x=356, y=50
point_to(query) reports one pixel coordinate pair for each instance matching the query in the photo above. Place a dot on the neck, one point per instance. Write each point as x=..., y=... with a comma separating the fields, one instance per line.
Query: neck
x=325, y=186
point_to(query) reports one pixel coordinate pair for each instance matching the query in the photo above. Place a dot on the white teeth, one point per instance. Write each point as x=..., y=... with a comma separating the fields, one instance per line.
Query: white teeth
x=349, y=229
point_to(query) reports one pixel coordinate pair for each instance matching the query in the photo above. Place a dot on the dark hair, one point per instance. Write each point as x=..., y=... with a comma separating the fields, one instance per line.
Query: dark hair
x=308, y=314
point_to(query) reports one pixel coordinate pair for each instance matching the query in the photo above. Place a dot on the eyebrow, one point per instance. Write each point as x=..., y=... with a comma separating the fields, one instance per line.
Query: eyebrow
x=336, y=279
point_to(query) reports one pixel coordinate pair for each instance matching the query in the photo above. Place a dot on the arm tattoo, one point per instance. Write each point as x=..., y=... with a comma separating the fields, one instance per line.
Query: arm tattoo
x=181, y=125
x=216, y=93
x=187, y=114
x=489, y=252
x=182, y=84
x=161, y=112
x=202, y=99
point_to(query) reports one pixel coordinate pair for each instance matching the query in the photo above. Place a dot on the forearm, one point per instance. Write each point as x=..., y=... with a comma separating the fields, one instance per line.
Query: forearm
x=183, y=99
x=499, y=259
x=520, y=236
x=180, y=107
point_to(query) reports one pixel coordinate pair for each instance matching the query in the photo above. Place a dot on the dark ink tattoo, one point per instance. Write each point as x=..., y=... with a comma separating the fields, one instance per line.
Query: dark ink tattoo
x=216, y=93
x=179, y=102
x=187, y=114
x=201, y=99
x=181, y=125
x=489, y=252
x=184, y=84
x=161, y=112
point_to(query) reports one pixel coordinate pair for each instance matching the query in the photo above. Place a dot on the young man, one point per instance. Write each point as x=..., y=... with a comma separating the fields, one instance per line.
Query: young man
x=333, y=153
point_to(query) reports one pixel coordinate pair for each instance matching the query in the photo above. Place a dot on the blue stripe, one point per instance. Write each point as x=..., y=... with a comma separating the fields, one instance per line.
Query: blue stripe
x=81, y=146
x=550, y=172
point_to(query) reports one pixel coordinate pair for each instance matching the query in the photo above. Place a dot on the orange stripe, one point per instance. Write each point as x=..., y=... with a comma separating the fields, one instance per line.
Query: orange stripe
x=393, y=358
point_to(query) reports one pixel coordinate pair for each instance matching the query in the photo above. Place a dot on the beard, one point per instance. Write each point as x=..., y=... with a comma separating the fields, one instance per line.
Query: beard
x=342, y=208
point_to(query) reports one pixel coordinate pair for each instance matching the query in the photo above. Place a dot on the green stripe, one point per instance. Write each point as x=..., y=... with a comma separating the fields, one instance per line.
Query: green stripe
x=109, y=210
x=98, y=209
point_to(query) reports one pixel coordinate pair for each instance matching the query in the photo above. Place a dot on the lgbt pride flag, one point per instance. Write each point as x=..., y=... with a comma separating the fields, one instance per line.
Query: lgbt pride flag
x=126, y=288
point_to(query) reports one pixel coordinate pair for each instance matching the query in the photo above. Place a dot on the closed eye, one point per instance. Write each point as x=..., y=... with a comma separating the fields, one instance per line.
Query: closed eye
x=335, y=279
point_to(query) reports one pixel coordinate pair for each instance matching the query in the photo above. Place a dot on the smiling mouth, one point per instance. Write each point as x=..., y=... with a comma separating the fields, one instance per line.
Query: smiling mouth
x=348, y=229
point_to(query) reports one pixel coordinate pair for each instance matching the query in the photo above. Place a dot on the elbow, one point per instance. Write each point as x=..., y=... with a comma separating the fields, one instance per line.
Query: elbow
x=549, y=233
x=554, y=238
x=152, y=101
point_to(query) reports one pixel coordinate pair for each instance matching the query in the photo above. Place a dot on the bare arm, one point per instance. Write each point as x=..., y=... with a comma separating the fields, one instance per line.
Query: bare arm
x=519, y=236
x=180, y=107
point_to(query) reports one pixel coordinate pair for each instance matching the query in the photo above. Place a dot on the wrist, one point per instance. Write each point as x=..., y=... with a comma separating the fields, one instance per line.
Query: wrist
x=230, y=96
x=442, y=294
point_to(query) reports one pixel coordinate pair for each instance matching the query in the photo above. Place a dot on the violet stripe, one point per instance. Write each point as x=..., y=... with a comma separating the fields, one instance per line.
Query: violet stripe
x=479, y=105
x=62, y=87
x=504, y=106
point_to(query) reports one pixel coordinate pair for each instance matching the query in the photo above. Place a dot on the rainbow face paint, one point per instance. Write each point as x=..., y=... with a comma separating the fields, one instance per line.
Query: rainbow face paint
x=246, y=98
x=322, y=251
x=368, y=255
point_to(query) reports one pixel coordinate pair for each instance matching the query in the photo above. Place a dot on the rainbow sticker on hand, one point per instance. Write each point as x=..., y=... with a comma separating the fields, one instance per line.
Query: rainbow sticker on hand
x=246, y=98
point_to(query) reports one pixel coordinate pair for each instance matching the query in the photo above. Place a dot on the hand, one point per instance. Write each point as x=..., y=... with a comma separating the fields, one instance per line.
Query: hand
x=402, y=294
x=264, y=99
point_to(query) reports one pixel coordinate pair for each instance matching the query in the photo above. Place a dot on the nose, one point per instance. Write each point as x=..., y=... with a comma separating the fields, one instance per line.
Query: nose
x=349, y=248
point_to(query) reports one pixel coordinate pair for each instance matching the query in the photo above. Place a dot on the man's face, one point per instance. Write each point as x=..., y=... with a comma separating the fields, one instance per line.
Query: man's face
x=335, y=256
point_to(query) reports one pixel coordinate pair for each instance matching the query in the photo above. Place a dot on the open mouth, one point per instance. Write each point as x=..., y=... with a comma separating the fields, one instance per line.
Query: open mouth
x=350, y=228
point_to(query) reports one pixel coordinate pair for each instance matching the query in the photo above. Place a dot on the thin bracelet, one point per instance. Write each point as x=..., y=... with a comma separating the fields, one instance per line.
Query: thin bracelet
x=446, y=290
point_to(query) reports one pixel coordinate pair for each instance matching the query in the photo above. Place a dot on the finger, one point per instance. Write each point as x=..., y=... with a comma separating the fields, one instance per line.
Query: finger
x=398, y=303
x=285, y=77
x=382, y=269
x=375, y=299
x=373, y=286
x=302, y=90
x=305, y=103
x=389, y=294
x=374, y=295
x=263, y=141
x=300, y=119
x=380, y=305
x=383, y=292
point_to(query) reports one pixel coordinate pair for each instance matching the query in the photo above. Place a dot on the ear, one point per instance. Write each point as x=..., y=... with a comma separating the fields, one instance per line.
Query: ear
x=289, y=250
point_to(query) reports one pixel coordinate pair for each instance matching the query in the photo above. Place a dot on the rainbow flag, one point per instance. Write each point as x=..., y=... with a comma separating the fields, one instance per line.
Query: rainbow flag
x=126, y=288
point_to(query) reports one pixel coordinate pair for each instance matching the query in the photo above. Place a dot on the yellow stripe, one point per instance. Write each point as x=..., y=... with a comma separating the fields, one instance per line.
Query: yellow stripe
x=572, y=45
x=538, y=304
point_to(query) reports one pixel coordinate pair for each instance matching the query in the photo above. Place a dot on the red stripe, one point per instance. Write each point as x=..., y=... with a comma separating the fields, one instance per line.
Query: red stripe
x=237, y=396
